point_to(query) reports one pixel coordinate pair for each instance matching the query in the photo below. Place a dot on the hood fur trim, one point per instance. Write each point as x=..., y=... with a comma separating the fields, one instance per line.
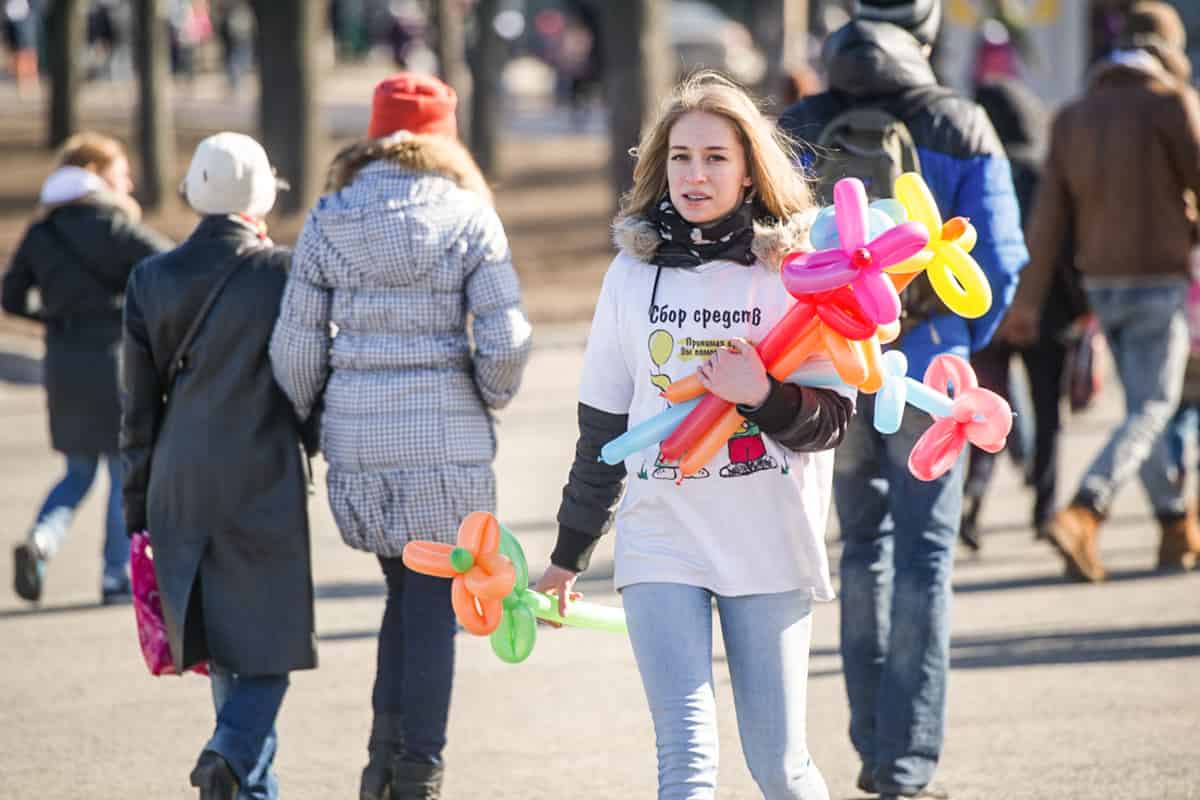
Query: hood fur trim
x=636, y=236
x=440, y=155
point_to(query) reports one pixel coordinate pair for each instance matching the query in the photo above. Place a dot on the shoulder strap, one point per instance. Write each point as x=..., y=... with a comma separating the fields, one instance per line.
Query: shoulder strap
x=179, y=358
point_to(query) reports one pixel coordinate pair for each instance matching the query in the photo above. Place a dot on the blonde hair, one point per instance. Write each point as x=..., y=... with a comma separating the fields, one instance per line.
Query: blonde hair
x=442, y=155
x=90, y=150
x=780, y=189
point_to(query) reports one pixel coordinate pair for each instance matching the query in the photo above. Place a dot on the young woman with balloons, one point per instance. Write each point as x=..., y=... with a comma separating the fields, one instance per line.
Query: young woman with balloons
x=714, y=208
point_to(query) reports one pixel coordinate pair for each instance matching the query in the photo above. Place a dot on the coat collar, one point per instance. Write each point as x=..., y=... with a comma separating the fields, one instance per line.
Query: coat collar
x=636, y=236
x=228, y=226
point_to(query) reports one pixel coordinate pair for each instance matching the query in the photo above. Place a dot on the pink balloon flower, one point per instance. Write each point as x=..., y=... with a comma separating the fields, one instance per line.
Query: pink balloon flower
x=977, y=415
x=857, y=262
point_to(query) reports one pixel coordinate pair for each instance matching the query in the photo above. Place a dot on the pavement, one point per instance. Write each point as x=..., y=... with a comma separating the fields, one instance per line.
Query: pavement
x=1058, y=690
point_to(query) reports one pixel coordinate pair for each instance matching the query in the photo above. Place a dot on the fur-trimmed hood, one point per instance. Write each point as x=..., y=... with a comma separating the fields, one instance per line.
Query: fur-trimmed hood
x=439, y=155
x=635, y=235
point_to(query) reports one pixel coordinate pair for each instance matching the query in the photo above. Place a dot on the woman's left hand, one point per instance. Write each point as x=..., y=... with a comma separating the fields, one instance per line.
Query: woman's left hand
x=736, y=374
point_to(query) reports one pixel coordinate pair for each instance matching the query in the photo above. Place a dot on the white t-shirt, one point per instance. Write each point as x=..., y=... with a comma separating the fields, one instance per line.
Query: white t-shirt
x=751, y=522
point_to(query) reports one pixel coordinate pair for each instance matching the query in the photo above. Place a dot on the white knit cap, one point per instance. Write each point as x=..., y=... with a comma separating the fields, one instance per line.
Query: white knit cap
x=230, y=174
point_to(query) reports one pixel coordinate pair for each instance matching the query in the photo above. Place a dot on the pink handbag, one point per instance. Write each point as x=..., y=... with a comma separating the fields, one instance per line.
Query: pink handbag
x=147, y=609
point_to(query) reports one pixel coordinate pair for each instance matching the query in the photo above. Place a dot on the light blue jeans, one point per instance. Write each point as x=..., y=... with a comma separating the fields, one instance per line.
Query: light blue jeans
x=245, y=735
x=57, y=512
x=1146, y=330
x=897, y=562
x=767, y=640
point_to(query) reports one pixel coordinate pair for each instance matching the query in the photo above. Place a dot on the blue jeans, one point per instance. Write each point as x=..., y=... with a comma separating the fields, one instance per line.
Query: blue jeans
x=897, y=561
x=767, y=640
x=415, y=668
x=1146, y=329
x=245, y=737
x=54, y=519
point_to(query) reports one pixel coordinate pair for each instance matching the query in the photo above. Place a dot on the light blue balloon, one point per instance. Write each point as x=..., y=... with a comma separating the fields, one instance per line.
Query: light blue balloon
x=649, y=432
x=926, y=399
x=824, y=233
x=891, y=399
x=892, y=208
x=822, y=378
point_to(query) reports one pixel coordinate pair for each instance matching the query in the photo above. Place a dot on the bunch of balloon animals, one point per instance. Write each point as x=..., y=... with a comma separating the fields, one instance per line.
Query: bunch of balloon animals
x=847, y=307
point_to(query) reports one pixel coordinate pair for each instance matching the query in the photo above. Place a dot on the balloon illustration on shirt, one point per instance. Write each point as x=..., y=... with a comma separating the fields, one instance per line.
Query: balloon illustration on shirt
x=490, y=591
x=662, y=345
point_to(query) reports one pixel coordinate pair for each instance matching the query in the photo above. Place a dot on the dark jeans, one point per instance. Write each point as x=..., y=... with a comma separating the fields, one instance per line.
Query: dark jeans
x=897, y=560
x=245, y=737
x=415, y=669
x=1044, y=363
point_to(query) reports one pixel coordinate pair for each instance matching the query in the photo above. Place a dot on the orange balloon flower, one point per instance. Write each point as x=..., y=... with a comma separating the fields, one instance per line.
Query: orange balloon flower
x=482, y=576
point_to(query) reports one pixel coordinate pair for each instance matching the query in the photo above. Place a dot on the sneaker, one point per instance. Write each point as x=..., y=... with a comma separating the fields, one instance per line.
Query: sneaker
x=29, y=570
x=115, y=591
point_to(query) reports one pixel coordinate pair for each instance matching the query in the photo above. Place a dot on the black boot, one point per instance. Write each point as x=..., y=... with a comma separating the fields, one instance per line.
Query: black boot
x=213, y=777
x=415, y=781
x=386, y=742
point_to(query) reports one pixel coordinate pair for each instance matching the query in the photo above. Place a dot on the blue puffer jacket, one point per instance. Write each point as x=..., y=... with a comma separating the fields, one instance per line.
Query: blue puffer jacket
x=962, y=160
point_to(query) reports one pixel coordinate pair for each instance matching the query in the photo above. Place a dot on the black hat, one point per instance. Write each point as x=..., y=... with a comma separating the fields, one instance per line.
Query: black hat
x=921, y=18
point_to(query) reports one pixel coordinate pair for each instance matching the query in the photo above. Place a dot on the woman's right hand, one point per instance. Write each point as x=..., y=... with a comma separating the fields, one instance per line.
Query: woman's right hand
x=558, y=581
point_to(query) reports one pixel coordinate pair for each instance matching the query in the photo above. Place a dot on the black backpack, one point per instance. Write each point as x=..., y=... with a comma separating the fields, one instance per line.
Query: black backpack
x=871, y=142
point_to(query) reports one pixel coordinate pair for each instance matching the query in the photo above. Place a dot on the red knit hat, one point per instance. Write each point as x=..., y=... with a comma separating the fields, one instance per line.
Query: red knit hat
x=410, y=102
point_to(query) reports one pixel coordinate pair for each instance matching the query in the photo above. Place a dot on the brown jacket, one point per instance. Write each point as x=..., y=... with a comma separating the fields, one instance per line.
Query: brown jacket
x=1121, y=178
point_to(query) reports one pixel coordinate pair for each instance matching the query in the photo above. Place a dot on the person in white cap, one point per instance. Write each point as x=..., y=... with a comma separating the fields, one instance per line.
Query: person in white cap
x=214, y=464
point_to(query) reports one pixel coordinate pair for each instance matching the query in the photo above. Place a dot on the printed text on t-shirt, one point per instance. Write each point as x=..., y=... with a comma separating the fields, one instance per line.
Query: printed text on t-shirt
x=717, y=317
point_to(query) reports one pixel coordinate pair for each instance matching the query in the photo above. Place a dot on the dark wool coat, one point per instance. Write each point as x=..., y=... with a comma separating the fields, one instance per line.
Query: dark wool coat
x=79, y=257
x=216, y=472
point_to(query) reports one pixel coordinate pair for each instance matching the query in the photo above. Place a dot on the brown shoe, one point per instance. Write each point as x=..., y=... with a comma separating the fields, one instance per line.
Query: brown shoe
x=1074, y=531
x=1180, y=545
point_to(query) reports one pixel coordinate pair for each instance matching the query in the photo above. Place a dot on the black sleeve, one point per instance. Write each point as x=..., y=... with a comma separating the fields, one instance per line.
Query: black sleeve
x=141, y=411
x=801, y=418
x=18, y=280
x=592, y=490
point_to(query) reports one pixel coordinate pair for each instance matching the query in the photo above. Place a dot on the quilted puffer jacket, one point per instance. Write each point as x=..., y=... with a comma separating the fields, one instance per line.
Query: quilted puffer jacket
x=402, y=260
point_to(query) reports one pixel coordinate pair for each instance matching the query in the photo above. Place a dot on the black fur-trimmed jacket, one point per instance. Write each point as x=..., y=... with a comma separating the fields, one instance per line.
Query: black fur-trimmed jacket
x=801, y=419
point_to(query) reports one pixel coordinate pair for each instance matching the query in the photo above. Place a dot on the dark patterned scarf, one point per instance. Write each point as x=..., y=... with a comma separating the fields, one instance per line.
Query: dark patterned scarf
x=683, y=244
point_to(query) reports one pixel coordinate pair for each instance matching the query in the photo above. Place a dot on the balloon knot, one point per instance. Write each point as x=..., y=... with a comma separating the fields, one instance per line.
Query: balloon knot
x=861, y=258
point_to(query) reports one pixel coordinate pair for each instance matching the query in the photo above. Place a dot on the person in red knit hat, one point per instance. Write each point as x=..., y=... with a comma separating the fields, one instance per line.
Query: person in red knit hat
x=414, y=103
x=403, y=253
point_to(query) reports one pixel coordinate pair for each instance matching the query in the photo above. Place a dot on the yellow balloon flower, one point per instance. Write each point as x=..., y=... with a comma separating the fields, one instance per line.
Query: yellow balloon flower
x=955, y=276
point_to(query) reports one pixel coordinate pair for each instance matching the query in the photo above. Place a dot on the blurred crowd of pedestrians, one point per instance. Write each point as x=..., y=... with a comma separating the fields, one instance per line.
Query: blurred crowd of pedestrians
x=389, y=351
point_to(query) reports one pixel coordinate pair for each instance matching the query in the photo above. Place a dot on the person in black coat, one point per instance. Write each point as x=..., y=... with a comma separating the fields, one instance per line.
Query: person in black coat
x=78, y=254
x=214, y=467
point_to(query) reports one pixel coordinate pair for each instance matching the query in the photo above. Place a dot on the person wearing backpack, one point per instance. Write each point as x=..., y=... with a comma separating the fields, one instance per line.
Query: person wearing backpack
x=214, y=465
x=899, y=532
x=78, y=253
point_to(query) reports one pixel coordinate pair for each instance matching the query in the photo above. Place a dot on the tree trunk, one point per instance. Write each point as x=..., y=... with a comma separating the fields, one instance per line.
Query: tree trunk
x=487, y=61
x=780, y=30
x=450, y=47
x=65, y=41
x=634, y=54
x=155, y=120
x=288, y=106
